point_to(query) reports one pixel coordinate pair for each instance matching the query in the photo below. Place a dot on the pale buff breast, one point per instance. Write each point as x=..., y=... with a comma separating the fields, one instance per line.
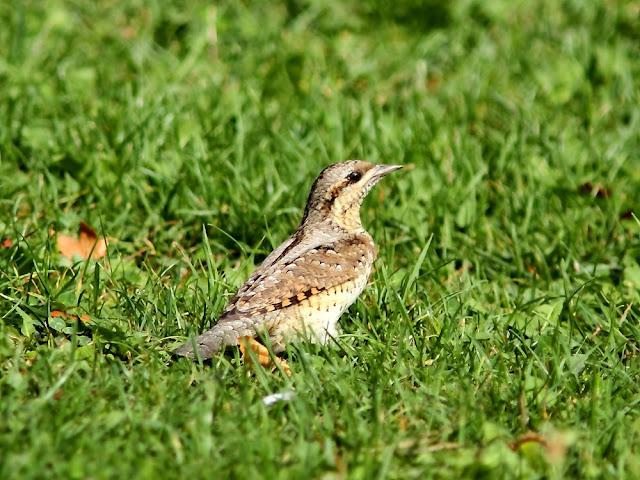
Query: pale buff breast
x=316, y=319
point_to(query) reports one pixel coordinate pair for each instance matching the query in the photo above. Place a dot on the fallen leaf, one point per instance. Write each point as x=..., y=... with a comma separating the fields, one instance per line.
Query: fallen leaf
x=403, y=423
x=526, y=438
x=59, y=313
x=128, y=32
x=433, y=83
x=597, y=191
x=555, y=444
x=86, y=245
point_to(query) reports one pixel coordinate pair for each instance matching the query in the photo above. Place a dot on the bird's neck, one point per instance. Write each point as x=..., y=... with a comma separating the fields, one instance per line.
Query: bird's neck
x=341, y=212
x=345, y=212
x=348, y=219
x=345, y=220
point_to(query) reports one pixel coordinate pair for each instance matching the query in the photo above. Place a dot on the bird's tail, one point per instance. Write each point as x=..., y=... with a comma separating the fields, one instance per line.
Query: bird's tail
x=226, y=332
x=203, y=346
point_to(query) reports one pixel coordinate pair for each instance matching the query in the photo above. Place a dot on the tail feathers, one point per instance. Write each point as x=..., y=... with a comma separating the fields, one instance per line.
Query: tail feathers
x=206, y=345
x=214, y=340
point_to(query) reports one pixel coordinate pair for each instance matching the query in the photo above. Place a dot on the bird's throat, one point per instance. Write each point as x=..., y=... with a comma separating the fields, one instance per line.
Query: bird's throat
x=346, y=214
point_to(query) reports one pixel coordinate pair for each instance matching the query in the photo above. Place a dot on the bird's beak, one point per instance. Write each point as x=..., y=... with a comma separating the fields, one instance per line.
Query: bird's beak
x=382, y=170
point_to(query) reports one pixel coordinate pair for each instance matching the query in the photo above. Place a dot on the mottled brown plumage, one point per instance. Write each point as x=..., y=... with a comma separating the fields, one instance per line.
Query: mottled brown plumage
x=305, y=284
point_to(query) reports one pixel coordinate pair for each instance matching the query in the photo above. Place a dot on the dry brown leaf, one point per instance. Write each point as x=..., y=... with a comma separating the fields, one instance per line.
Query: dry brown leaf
x=526, y=438
x=128, y=32
x=433, y=83
x=59, y=313
x=595, y=190
x=403, y=423
x=554, y=444
x=86, y=245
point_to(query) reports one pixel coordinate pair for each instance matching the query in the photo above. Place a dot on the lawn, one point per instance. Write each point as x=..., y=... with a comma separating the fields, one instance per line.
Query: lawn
x=500, y=334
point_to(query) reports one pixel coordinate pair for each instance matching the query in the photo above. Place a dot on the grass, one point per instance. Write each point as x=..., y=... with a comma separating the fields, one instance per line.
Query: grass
x=505, y=305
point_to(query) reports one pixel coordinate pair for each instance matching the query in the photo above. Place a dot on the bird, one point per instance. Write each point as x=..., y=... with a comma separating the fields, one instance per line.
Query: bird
x=304, y=286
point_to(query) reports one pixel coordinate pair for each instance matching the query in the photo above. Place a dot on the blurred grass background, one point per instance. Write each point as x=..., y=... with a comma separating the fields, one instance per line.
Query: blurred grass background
x=499, y=335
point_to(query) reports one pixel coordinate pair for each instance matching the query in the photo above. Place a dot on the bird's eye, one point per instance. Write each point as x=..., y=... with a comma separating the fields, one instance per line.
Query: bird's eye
x=353, y=177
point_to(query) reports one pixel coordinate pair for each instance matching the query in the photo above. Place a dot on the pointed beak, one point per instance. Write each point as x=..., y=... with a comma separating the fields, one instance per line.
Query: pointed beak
x=382, y=170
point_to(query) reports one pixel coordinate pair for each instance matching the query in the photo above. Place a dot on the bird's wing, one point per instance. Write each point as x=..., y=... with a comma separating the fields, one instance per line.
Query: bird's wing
x=285, y=283
x=282, y=284
x=294, y=247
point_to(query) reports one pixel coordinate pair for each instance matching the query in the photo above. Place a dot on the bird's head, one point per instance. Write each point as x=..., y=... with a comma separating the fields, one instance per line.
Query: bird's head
x=339, y=190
